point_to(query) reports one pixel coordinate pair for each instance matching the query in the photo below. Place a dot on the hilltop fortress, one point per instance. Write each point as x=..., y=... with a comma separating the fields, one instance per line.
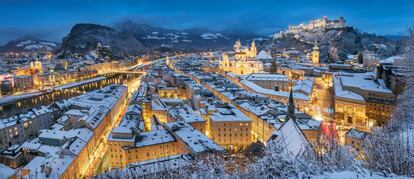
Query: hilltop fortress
x=322, y=23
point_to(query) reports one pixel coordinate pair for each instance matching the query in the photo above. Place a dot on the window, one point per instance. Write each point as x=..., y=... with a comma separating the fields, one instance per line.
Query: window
x=349, y=119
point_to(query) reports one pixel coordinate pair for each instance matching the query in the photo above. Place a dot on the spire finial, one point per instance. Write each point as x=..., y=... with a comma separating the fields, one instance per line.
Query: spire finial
x=291, y=107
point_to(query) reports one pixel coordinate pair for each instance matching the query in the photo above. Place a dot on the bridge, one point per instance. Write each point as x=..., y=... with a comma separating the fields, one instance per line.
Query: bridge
x=127, y=72
x=138, y=68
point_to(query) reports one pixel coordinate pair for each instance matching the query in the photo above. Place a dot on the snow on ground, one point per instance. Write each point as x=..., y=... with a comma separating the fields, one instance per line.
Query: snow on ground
x=209, y=36
x=21, y=44
x=29, y=45
x=48, y=44
x=36, y=46
x=153, y=37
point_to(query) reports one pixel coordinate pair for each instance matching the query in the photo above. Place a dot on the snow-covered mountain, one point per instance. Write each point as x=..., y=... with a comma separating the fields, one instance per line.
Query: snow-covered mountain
x=131, y=38
x=29, y=44
x=85, y=37
x=188, y=39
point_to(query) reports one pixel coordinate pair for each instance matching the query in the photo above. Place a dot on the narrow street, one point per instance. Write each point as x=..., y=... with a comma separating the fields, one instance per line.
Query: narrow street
x=321, y=100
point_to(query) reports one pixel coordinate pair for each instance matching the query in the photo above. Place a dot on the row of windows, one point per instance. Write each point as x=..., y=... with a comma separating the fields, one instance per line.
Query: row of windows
x=147, y=154
x=224, y=140
x=235, y=135
x=232, y=124
x=235, y=129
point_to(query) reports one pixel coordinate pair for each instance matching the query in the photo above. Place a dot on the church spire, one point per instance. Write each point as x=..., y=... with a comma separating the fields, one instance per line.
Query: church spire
x=253, y=49
x=291, y=107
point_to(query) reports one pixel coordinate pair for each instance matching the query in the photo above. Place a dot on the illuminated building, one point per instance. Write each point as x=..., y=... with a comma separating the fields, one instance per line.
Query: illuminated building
x=242, y=60
x=146, y=113
x=36, y=67
x=12, y=156
x=229, y=127
x=73, y=146
x=23, y=82
x=301, y=100
x=393, y=75
x=321, y=23
x=315, y=55
x=195, y=120
x=270, y=81
x=159, y=110
x=169, y=92
x=128, y=146
x=266, y=115
x=17, y=129
x=361, y=101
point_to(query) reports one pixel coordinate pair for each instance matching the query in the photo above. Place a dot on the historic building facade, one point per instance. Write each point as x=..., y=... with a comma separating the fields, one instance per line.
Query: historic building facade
x=242, y=60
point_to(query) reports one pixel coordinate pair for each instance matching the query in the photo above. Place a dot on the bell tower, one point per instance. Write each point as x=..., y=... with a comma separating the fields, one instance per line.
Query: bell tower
x=253, y=49
x=237, y=46
x=315, y=55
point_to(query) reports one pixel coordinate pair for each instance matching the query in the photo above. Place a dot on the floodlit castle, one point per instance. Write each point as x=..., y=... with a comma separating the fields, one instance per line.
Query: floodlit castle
x=243, y=60
x=323, y=22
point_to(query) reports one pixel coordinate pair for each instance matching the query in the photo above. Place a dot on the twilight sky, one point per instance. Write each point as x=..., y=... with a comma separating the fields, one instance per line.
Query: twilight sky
x=53, y=19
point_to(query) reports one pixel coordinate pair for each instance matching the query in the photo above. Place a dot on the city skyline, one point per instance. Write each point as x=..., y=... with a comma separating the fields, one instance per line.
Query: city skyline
x=53, y=20
x=206, y=89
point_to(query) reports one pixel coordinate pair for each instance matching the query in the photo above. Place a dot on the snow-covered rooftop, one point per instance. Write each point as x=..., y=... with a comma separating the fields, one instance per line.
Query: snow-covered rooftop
x=343, y=82
x=391, y=60
x=194, y=139
x=291, y=138
x=155, y=137
x=6, y=172
x=258, y=89
x=229, y=113
x=266, y=77
x=263, y=55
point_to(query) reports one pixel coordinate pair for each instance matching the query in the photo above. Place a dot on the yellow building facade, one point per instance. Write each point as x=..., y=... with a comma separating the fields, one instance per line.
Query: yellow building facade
x=315, y=55
x=242, y=60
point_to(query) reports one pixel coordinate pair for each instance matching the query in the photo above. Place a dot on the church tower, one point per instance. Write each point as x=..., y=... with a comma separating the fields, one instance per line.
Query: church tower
x=253, y=49
x=315, y=55
x=237, y=46
x=291, y=107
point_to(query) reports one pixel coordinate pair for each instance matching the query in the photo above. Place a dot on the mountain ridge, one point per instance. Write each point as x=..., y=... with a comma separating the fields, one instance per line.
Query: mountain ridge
x=29, y=43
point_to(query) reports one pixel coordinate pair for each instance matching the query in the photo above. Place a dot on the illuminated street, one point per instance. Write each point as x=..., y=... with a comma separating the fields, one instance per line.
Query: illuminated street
x=321, y=100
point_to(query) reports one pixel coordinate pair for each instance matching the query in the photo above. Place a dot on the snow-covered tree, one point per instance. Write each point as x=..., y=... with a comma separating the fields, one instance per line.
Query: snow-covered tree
x=391, y=149
x=278, y=163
